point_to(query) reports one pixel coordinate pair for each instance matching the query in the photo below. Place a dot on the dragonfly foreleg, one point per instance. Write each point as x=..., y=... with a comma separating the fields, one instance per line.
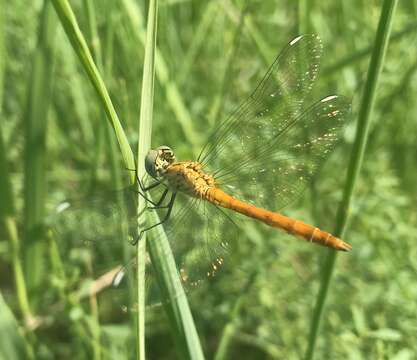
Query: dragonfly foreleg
x=143, y=187
x=157, y=205
x=153, y=203
x=166, y=217
x=149, y=187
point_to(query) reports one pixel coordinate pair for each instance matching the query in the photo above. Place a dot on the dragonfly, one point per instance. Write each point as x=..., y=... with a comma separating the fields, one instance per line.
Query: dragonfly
x=255, y=162
x=249, y=143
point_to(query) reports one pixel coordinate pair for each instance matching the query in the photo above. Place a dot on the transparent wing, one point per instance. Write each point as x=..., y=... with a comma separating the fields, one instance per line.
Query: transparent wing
x=94, y=241
x=105, y=222
x=278, y=170
x=201, y=237
x=269, y=148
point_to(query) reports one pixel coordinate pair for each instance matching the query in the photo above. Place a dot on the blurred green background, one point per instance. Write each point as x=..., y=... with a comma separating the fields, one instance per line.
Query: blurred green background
x=55, y=145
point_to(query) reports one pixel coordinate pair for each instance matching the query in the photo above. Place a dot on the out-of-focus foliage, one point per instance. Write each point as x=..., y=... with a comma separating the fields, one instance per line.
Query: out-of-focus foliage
x=211, y=54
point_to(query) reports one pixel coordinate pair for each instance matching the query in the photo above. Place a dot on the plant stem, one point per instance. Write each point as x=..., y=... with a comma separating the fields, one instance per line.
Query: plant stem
x=36, y=114
x=145, y=131
x=184, y=331
x=355, y=162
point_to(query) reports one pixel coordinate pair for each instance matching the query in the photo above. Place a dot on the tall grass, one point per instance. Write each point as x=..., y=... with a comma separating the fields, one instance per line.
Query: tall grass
x=36, y=117
x=145, y=132
x=204, y=58
x=184, y=330
x=13, y=346
x=356, y=159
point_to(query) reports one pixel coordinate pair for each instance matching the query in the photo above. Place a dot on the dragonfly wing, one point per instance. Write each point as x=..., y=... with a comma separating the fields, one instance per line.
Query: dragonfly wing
x=94, y=241
x=283, y=88
x=200, y=236
x=273, y=144
x=102, y=222
x=94, y=237
x=279, y=170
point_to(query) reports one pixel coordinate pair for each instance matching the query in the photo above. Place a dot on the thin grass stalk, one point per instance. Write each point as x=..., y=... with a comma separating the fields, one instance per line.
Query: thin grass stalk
x=36, y=112
x=145, y=132
x=355, y=162
x=115, y=170
x=102, y=127
x=70, y=25
x=8, y=217
x=12, y=344
x=184, y=331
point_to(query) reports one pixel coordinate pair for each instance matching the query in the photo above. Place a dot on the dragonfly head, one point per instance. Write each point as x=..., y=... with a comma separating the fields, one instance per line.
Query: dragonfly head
x=157, y=160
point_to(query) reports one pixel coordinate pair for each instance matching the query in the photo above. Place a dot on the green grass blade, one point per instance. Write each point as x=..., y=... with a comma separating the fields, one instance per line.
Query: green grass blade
x=12, y=344
x=145, y=132
x=70, y=25
x=182, y=324
x=7, y=216
x=38, y=102
x=183, y=328
x=364, y=116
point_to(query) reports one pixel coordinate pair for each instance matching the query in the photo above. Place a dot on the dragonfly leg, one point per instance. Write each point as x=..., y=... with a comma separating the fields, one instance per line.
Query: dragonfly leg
x=151, y=186
x=150, y=201
x=157, y=205
x=143, y=187
x=166, y=217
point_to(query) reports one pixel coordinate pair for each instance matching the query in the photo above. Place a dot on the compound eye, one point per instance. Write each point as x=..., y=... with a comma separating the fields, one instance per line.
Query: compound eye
x=150, y=162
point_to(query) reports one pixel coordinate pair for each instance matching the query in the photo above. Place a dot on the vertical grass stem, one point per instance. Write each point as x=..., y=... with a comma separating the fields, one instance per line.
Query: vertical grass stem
x=355, y=162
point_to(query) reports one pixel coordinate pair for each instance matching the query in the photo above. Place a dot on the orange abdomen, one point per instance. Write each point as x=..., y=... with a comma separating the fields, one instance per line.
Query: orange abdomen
x=276, y=220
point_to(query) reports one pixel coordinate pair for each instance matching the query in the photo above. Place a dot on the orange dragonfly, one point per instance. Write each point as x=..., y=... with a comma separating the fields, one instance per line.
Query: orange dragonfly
x=260, y=157
x=265, y=152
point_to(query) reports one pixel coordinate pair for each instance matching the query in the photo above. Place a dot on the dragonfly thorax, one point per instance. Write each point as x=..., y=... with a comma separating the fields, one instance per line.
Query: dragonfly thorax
x=188, y=177
x=157, y=160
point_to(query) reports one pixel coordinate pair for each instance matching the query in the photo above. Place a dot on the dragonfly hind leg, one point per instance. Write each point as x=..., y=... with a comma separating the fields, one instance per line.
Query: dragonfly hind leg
x=157, y=205
x=166, y=217
x=144, y=189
